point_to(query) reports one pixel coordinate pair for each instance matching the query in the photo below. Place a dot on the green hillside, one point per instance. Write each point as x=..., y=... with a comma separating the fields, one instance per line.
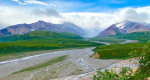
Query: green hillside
x=40, y=35
x=141, y=36
x=42, y=40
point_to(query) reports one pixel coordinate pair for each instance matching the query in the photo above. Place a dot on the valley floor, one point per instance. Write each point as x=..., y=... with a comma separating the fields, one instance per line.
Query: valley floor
x=116, y=66
x=77, y=61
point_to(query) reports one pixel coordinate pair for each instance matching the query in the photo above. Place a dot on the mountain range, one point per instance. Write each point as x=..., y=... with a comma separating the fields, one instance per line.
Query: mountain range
x=115, y=29
x=44, y=26
x=124, y=27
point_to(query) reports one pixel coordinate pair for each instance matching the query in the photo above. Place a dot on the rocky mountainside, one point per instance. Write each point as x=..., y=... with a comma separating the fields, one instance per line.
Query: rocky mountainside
x=41, y=25
x=124, y=27
x=137, y=28
x=112, y=30
x=129, y=27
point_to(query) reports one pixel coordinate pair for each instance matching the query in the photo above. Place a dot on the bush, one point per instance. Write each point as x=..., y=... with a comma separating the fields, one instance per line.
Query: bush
x=124, y=74
x=143, y=55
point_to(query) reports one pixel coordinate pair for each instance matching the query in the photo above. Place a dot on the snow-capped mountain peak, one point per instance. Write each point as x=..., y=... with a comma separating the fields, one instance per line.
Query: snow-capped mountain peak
x=124, y=27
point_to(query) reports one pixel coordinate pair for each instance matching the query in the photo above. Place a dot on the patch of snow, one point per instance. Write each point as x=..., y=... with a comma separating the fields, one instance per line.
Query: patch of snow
x=121, y=25
x=32, y=29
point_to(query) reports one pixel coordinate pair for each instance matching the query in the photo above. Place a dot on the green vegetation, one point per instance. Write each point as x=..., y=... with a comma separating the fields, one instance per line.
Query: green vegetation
x=50, y=62
x=42, y=40
x=143, y=55
x=141, y=36
x=24, y=46
x=142, y=73
x=111, y=40
x=118, y=32
x=124, y=74
x=40, y=35
x=117, y=51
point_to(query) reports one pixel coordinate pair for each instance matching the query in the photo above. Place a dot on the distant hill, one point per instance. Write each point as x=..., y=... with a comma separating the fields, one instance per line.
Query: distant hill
x=41, y=25
x=40, y=35
x=123, y=28
x=141, y=36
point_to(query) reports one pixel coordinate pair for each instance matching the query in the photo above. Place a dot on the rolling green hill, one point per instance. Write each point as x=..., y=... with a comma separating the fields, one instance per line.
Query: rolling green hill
x=141, y=36
x=40, y=35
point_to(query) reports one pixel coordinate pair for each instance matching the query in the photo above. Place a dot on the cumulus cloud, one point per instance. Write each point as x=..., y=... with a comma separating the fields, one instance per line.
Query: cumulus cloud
x=24, y=2
x=92, y=22
x=12, y=16
x=133, y=15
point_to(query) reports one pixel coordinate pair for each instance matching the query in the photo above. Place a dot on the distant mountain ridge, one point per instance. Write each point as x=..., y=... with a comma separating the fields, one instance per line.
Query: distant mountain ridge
x=41, y=25
x=124, y=27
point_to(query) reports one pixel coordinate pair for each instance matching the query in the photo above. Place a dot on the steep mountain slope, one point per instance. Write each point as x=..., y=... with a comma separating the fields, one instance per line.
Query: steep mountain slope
x=16, y=29
x=124, y=27
x=138, y=28
x=41, y=25
x=40, y=35
x=112, y=30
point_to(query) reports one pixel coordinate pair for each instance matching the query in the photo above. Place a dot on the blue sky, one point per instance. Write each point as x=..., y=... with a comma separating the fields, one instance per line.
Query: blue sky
x=77, y=5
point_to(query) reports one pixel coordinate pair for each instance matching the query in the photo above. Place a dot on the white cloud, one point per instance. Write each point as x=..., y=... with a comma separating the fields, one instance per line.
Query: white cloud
x=12, y=16
x=132, y=14
x=92, y=22
x=29, y=2
x=46, y=12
